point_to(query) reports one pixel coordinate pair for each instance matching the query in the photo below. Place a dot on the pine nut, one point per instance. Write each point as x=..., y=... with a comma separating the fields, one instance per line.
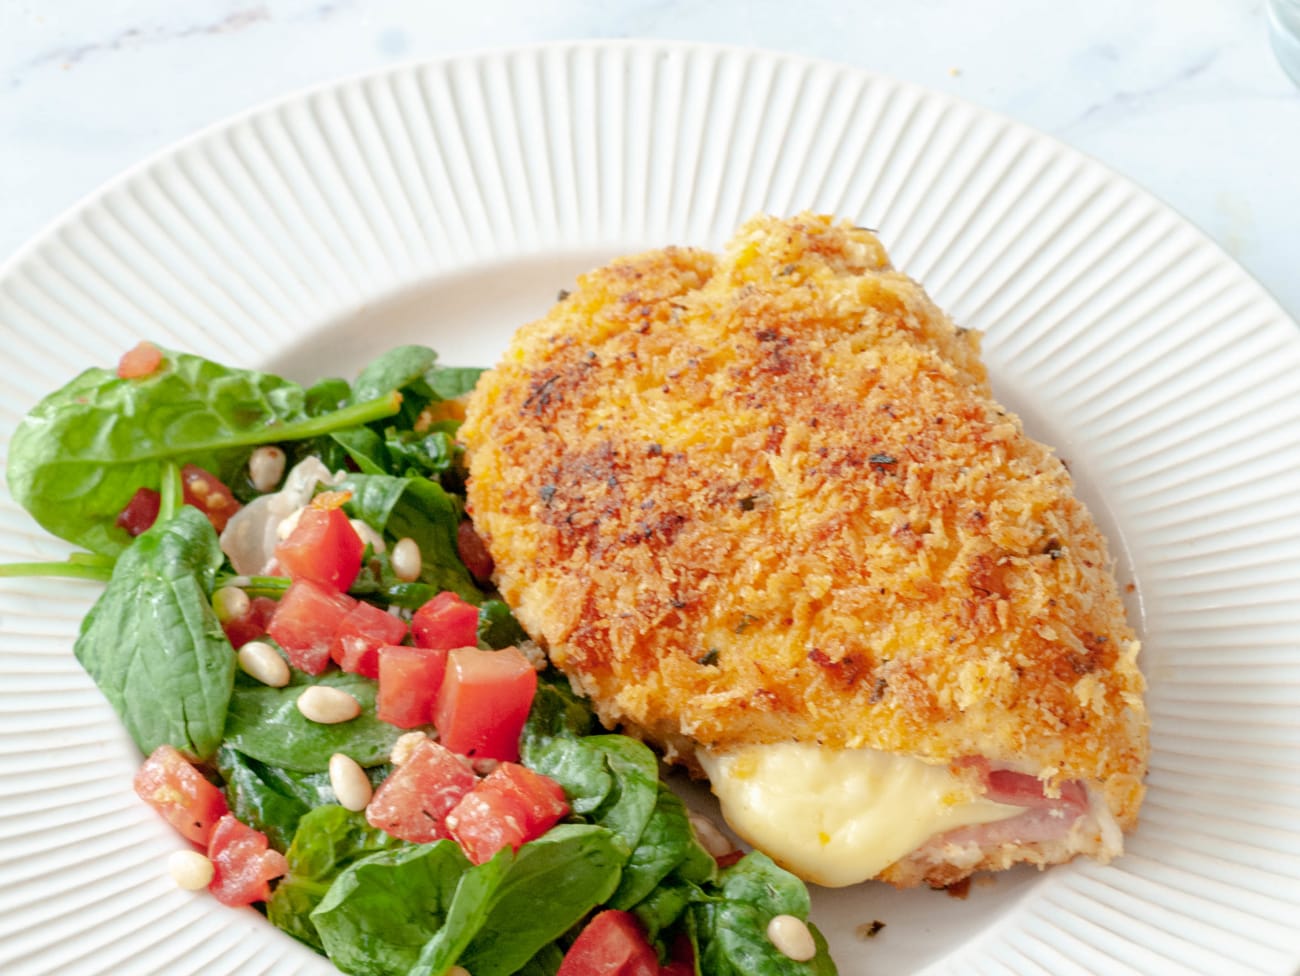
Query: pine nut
x=710, y=837
x=407, y=560
x=483, y=767
x=457, y=971
x=190, y=870
x=328, y=706
x=266, y=468
x=368, y=536
x=261, y=662
x=404, y=746
x=791, y=937
x=230, y=603
x=350, y=783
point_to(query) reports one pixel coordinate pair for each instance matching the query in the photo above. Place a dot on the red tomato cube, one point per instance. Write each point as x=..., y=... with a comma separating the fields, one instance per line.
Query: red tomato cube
x=409, y=679
x=305, y=622
x=142, y=360
x=412, y=803
x=508, y=808
x=484, y=822
x=209, y=494
x=361, y=634
x=140, y=512
x=540, y=797
x=612, y=944
x=323, y=548
x=168, y=783
x=252, y=625
x=484, y=701
x=241, y=863
x=446, y=622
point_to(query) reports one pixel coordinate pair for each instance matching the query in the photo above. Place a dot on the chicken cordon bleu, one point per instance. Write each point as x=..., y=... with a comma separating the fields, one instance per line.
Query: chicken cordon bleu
x=762, y=508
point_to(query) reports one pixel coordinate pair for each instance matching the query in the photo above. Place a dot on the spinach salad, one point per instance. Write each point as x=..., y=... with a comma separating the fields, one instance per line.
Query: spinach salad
x=132, y=466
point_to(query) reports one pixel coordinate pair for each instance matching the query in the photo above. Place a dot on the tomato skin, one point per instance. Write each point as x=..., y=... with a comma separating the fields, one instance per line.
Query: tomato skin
x=242, y=863
x=140, y=512
x=508, y=808
x=142, y=360
x=446, y=622
x=361, y=634
x=172, y=786
x=484, y=701
x=324, y=548
x=252, y=625
x=209, y=494
x=305, y=622
x=409, y=679
x=612, y=944
x=412, y=803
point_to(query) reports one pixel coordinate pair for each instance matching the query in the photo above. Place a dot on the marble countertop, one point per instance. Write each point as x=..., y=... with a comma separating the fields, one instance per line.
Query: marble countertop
x=1184, y=97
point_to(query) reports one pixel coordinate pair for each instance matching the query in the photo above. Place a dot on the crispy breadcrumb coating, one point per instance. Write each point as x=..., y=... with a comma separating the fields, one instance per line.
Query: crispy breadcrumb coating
x=768, y=496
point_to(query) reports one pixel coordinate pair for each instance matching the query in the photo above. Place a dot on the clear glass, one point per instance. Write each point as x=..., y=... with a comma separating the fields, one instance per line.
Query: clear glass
x=1284, y=28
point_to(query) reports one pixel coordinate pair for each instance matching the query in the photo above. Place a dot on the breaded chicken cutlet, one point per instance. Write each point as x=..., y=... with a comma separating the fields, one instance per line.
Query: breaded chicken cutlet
x=763, y=509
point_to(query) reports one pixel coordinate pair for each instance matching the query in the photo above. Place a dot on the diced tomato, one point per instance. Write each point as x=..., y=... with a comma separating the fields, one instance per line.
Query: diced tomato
x=143, y=360
x=484, y=701
x=540, y=797
x=242, y=864
x=253, y=624
x=612, y=944
x=446, y=622
x=140, y=512
x=206, y=492
x=728, y=859
x=473, y=552
x=508, y=808
x=323, y=547
x=361, y=634
x=305, y=622
x=409, y=679
x=413, y=801
x=168, y=783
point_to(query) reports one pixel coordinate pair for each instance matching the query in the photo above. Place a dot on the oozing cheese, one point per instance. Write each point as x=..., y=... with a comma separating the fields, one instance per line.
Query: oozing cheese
x=838, y=817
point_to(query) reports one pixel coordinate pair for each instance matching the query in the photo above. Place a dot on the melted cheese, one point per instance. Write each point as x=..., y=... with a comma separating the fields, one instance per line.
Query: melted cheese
x=838, y=817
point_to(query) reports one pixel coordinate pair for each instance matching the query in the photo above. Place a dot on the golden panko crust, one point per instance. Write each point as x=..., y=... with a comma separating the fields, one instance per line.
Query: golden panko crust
x=768, y=496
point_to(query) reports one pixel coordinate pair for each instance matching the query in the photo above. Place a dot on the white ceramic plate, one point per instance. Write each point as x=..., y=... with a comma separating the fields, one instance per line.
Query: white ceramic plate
x=447, y=202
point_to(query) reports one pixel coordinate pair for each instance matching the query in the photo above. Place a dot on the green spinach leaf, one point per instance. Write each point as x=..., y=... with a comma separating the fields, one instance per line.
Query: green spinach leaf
x=381, y=910
x=399, y=368
x=419, y=509
x=666, y=842
x=81, y=453
x=153, y=644
x=84, y=450
x=557, y=713
x=551, y=885
x=328, y=839
x=265, y=723
x=273, y=800
x=731, y=930
x=611, y=780
x=497, y=626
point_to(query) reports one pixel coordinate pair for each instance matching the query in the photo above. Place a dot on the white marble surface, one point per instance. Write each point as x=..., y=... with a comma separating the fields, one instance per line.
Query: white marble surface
x=1182, y=96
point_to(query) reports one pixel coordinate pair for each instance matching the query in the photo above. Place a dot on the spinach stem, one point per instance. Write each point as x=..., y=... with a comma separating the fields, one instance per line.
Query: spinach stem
x=72, y=569
x=300, y=430
x=171, y=492
x=273, y=586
